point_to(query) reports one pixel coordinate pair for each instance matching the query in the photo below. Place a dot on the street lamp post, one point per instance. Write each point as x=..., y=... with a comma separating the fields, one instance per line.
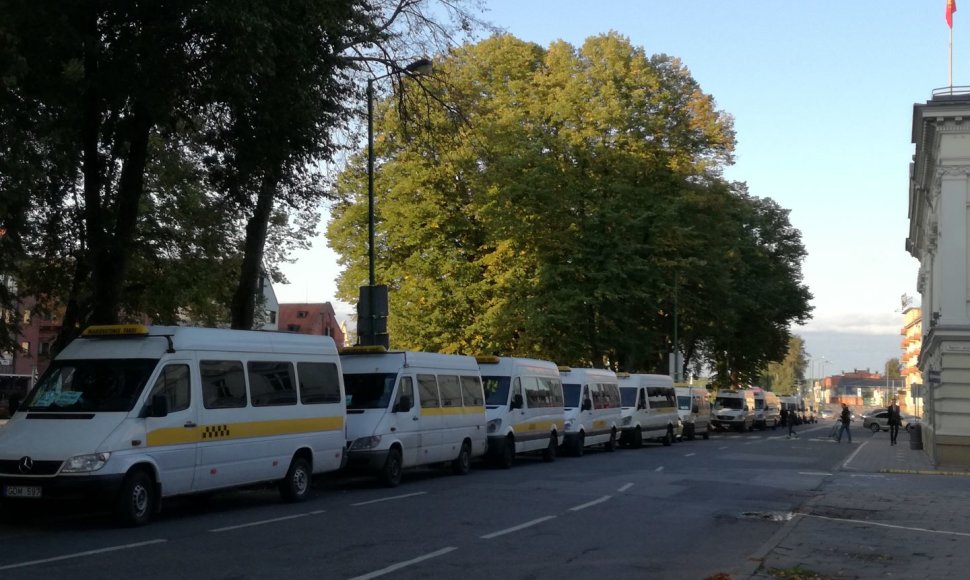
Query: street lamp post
x=368, y=294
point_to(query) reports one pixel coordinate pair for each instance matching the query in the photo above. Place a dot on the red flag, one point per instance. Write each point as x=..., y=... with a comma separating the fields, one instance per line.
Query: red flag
x=951, y=7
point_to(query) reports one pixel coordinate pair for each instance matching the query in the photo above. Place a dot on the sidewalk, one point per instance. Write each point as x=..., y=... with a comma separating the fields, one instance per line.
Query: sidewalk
x=873, y=524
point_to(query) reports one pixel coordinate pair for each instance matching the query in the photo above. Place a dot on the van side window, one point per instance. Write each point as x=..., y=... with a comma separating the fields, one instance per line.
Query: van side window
x=271, y=383
x=610, y=396
x=533, y=397
x=472, y=394
x=428, y=390
x=450, y=390
x=173, y=382
x=405, y=390
x=223, y=384
x=319, y=383
x=661, y=397
x=552, y=389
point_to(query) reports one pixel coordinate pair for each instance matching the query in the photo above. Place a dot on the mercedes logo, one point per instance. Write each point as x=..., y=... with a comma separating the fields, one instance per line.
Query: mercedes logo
x=26, y=464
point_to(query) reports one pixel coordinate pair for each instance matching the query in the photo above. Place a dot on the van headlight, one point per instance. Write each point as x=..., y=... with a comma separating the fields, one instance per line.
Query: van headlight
x=568, y=424
x=627, y=421
x=85, y=463
x=366, y=442
x=494, y=425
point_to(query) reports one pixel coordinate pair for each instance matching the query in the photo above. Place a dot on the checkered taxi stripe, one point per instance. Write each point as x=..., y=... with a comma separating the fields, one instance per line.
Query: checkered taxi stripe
x=215, y=431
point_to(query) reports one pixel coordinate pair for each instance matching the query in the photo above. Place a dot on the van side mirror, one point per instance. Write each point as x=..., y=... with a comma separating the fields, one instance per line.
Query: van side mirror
x=641, y=405
x=516, y=402
x=159, y=406
x=403, y=404
x=587, y=405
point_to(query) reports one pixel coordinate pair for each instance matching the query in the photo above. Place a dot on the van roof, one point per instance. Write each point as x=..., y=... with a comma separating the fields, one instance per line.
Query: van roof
x=582, y=374
x=160, y=339
x=396, y=360
x=645, y=380
x=510, y=365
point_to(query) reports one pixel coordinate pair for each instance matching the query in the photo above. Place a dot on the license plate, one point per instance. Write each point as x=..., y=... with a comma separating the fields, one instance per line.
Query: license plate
x=22, y=491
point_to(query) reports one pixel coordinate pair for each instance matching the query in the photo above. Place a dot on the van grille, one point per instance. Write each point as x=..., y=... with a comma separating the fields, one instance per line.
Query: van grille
x=12, y=467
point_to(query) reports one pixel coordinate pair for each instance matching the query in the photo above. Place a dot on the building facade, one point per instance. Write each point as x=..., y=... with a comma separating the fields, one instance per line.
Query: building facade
x=939, y=195
x=317, y=319
x=911, y=395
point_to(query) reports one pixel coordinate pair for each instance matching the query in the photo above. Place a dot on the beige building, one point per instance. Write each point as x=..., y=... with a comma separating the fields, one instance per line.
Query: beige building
x=910, y=396
x=939, y=196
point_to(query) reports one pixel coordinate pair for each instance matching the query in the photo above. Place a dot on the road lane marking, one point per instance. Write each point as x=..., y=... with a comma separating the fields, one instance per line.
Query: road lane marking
x=590, y=503
x=661, y=468
x=894, y=526
x=516, y=528
x=262, y=522
x=625, y=487
x=82, y=554
x=388, y=498
x=814, y=473
x=720, y=448
x=690, y=455
x=845, y=464
x=399, y=565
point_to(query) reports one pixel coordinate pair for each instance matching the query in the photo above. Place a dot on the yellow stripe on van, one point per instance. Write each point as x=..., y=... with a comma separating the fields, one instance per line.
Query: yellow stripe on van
x=599, y=424
x=443, y=411
x=545, y=426
x=247, y=430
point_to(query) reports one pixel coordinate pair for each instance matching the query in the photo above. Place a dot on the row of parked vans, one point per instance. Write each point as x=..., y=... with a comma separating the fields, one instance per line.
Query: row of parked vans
x=129, y=415
x=753, y=408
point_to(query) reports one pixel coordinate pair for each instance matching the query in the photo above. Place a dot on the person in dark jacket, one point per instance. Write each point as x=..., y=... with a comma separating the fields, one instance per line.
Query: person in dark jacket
x=845, y=418
x=895, y=420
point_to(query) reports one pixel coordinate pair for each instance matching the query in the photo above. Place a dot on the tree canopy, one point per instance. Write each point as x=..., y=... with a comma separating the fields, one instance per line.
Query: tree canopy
x=560, y=204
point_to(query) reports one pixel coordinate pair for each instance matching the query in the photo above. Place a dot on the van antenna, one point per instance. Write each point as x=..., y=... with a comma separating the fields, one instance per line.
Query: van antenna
x=405, y=359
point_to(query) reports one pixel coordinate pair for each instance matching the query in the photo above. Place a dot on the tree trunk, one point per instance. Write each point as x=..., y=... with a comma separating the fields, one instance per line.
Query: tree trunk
x=244, y=299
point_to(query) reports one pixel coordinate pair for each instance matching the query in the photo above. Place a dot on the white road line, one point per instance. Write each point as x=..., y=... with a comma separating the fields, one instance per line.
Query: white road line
x=400, y=565
x=590, y=503
x=388, y=498
x=661, y=468
x=854, y=453
x=261, y=522
x=894, y=526
x=625, y=487
x=721, y=448
x=516, y=528
x=690, y=455
x=814, y=473
x=81, y=554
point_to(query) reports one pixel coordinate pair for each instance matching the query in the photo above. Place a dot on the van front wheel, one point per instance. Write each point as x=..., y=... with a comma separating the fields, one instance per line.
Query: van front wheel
x=637, y=439
x=611, y=444
x=392, y=470
x=463, y=463
x=549, y=453
x=580, y=445
x=295, y=487
x=136, y=502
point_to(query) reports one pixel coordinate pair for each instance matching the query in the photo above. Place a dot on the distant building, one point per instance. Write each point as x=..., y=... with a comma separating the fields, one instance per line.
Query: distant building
x=318, y=319
x=860, y=388
x=912, y=331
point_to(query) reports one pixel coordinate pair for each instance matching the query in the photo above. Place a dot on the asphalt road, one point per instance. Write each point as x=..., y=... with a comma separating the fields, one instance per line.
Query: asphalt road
x=691, y=510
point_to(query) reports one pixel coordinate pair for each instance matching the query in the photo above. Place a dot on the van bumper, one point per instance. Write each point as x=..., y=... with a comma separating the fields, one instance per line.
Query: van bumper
x=98, y=489
x=367, y=460
x=496, y=446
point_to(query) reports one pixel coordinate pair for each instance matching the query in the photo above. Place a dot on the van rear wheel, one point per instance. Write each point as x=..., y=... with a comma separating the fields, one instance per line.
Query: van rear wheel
x=549, y=453
x=611, y=444
x=136, y=501
x=463, y=463
x=637, y=439
x=580, y=445
x=391, y=472
x=295, y=487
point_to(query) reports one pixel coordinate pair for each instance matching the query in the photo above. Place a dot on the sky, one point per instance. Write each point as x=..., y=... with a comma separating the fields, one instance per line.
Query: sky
x=822, y=95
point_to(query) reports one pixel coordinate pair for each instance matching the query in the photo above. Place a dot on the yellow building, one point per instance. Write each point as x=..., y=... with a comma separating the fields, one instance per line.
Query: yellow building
x=912, y=332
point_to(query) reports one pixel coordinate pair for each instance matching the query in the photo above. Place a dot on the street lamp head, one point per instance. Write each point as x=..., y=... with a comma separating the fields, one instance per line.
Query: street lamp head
x=420, y=67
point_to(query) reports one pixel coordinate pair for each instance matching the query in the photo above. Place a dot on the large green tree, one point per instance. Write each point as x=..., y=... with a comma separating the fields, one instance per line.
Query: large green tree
x=575, y=198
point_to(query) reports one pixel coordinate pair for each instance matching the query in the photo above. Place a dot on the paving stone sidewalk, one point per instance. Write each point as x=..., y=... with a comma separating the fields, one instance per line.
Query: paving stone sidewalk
x=855, y=530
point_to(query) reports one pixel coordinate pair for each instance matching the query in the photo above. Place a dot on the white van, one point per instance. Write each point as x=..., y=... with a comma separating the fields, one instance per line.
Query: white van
x=524, y=407
x=592, y=404
x=129, y=414
x=734, y=410
x=649, y=409
x=767, y=408
x=406, y=409
x=694, y=408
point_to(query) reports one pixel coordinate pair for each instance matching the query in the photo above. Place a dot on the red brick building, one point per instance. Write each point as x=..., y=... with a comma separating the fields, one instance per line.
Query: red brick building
x=318, y=319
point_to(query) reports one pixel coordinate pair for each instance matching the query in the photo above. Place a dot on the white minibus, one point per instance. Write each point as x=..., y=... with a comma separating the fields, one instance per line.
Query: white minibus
x=767, y=408
x=406, y=409
x=524, y=407
x=649, y=409
x=129, y=414
x=592, y=402
x=734, y=410
x=694, y=407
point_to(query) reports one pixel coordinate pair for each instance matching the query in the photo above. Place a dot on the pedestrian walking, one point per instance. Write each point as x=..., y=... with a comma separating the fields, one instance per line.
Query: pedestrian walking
x=895, y=420
x=788, y=418
x=845, y=418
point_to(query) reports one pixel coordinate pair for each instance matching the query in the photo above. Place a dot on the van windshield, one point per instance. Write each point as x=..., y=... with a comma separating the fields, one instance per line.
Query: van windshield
x=91, y=386
x=570, y=393
x=369, y=390
x=629, y=396
x=683, y=402
x=728, y=403
x=496, y=391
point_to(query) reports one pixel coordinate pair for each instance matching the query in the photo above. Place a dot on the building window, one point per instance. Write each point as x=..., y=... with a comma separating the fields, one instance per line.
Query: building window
x=302, y=314
x=327, y=332
x=25, y=348
x=293, y=327
x=26, y=316
x=272, y=316
x=45, y=349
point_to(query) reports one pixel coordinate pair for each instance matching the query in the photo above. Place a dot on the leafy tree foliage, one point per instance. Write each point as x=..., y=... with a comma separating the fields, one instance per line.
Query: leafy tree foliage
x=784, y=376
x=572, y=202
x=893, y=369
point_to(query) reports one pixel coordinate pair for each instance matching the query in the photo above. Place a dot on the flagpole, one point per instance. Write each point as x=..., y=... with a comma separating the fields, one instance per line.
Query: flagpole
x=950, y=63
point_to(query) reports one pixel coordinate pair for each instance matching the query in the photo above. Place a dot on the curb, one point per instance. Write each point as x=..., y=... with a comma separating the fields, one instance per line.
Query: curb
x=925, y=472
x=756, y=561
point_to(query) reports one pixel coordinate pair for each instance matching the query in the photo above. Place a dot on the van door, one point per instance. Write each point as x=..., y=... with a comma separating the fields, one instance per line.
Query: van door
x=172, y=440
x=430, y=421
x=405, y=420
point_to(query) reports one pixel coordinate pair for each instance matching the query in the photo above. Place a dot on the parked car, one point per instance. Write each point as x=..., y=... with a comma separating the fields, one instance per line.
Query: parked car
x=879, y=421
x=827, y=414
